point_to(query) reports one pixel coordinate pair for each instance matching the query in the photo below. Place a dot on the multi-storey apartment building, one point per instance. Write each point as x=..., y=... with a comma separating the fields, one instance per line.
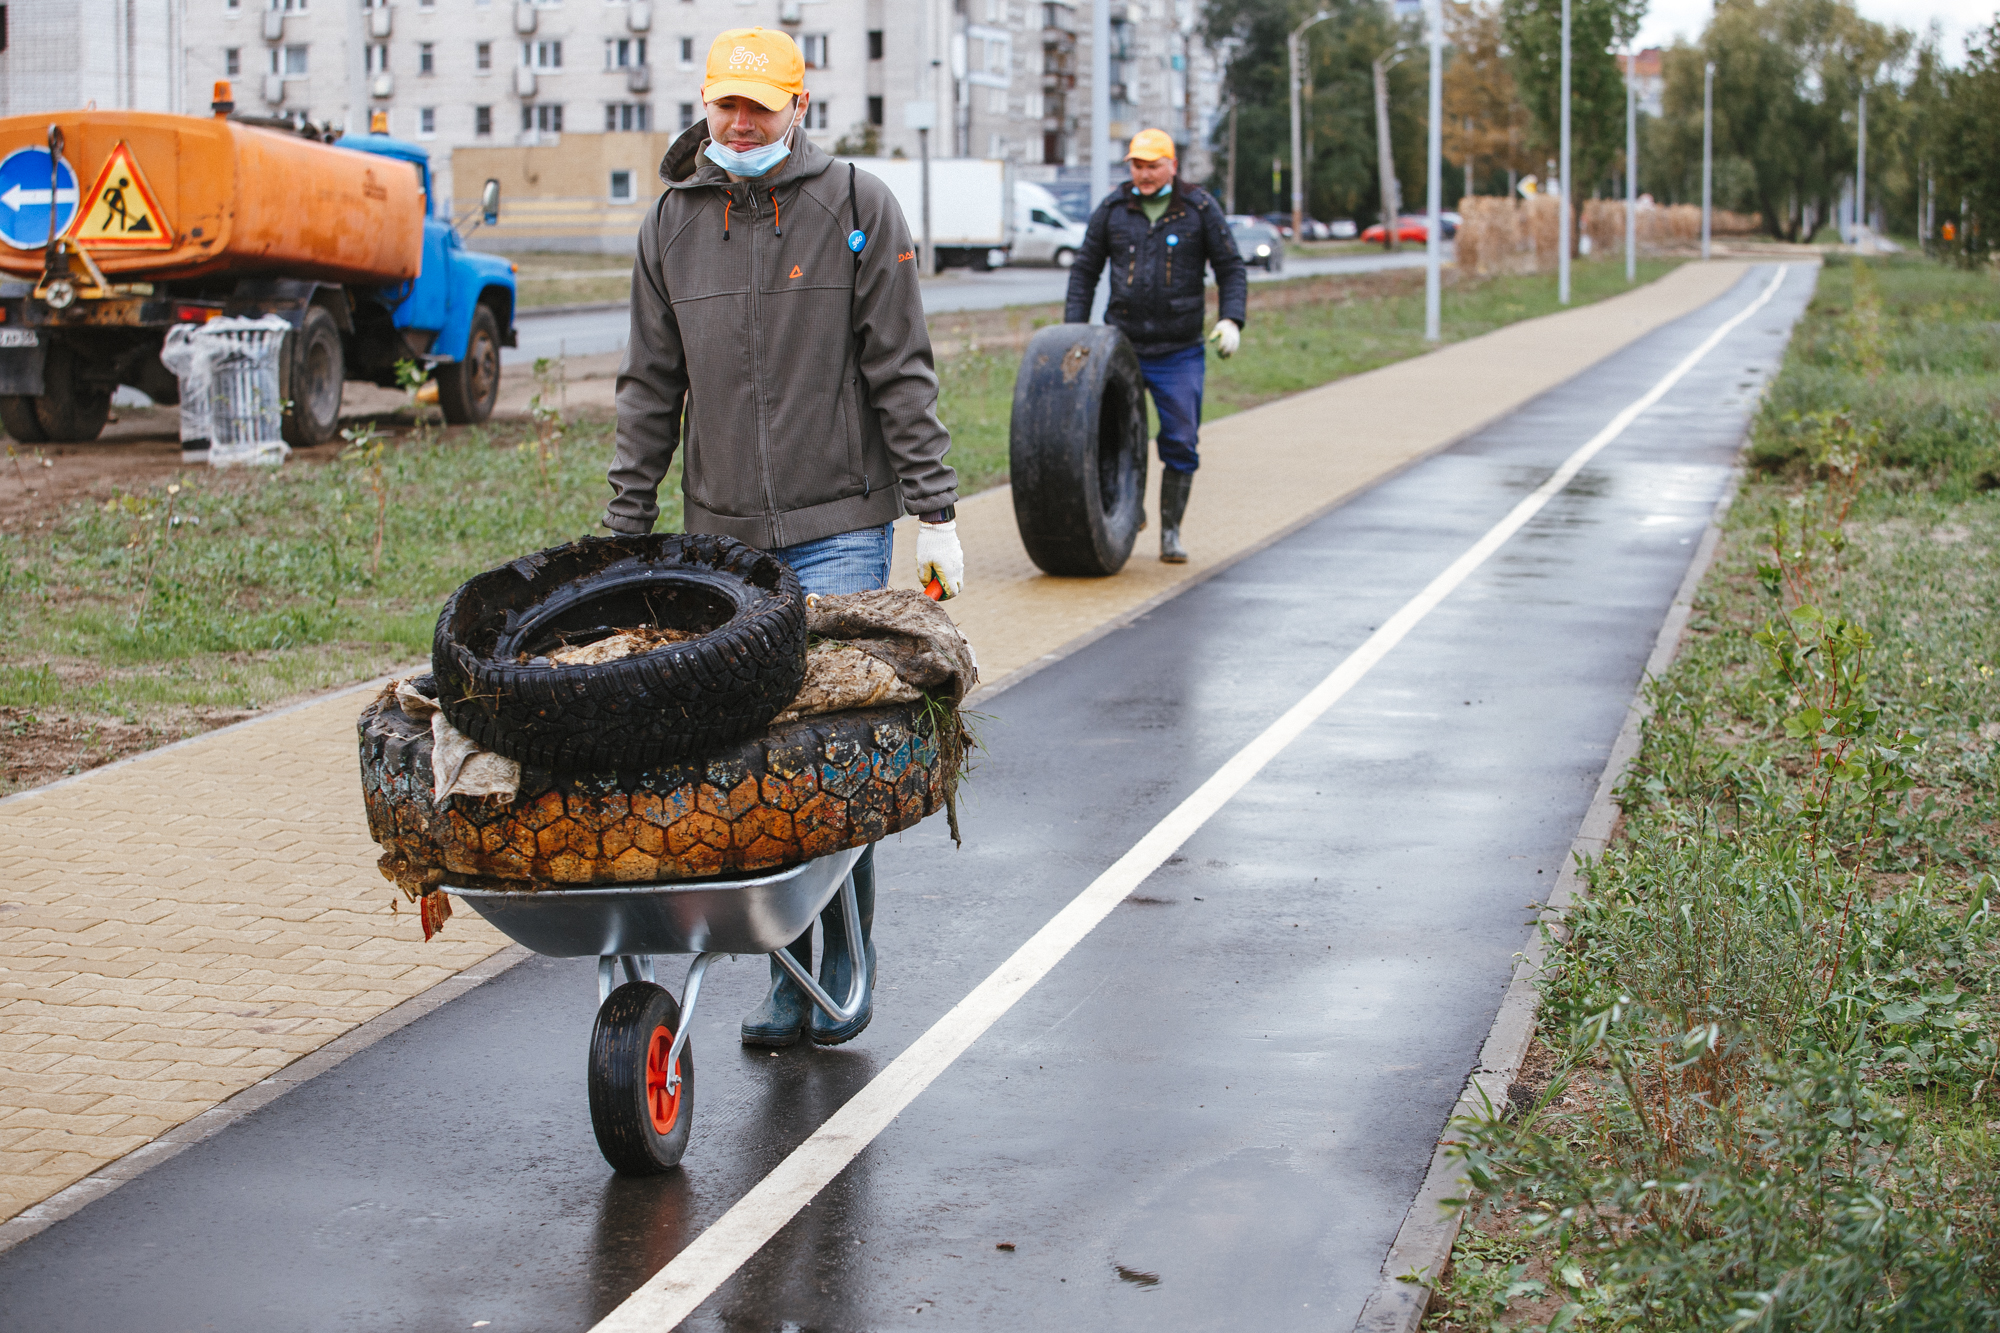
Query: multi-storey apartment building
x=57, y=54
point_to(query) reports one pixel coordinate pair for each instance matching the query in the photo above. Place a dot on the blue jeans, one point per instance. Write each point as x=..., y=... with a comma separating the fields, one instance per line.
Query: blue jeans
x=855, y=561
x=1176, y=381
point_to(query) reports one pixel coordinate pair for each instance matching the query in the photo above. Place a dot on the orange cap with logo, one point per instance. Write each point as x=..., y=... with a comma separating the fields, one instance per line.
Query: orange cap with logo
x=756, y=63
x=1151, y=146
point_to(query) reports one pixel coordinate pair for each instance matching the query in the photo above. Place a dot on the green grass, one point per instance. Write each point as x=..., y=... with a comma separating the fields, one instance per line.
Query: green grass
x=248, y=587
x=1775, y=1014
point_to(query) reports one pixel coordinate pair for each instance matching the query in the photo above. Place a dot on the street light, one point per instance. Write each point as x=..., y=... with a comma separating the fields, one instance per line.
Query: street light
x=1434, y=176
x=1292, y=45
x=1631, y=163
x=1863, y=244
x=1562, y=178
x=1707, y=151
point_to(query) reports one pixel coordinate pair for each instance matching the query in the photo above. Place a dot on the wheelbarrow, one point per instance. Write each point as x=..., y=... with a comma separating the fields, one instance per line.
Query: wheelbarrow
x=641, y=1065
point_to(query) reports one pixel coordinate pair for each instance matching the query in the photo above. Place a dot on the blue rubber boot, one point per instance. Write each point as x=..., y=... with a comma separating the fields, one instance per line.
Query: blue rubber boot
x=836, y=961
x=781, y=1019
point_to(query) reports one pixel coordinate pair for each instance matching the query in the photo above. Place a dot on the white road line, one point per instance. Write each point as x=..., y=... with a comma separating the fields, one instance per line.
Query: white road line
x=673, y=1293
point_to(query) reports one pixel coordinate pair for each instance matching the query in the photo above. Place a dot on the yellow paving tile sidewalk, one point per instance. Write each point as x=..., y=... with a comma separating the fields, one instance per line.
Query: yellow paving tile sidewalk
x=179, y=926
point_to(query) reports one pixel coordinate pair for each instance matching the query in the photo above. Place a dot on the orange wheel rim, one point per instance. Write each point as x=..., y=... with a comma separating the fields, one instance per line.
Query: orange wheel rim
x=663, y=1105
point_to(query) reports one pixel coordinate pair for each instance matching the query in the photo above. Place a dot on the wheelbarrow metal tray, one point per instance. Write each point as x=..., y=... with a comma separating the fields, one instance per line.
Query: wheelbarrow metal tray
x=756, y=914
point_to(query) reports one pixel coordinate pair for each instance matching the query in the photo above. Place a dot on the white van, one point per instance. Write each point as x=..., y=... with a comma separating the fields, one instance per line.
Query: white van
x=1043, y=233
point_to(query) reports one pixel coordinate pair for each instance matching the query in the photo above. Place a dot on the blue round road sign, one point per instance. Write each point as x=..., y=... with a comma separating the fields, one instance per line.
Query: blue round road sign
x=25, y=198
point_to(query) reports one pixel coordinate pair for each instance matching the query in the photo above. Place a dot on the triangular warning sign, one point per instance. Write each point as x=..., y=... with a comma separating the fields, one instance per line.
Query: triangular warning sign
x=121, y=211
x=797, y=272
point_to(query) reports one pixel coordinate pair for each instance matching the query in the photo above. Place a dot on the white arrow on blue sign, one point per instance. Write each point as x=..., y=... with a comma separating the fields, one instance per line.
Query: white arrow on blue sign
x=26, y=196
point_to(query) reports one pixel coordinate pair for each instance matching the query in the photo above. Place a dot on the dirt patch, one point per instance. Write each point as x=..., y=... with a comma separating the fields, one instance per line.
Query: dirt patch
x=38, y=748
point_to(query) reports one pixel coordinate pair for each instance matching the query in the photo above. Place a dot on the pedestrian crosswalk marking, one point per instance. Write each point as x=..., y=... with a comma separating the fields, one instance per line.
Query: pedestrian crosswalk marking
x=123, y=213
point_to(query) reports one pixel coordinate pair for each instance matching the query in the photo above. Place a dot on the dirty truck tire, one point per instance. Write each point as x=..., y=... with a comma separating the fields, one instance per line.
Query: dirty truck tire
x=1077, y=449
x=17, y=418
x=642, y=1129
x=70, y=411
x=468, y=389
x=314, y=370
x=677, y=702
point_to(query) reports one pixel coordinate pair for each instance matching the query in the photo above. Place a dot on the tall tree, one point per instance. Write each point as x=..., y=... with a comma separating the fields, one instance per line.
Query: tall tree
x=1483, y=116
x=1533, y=31
x=1967, y=151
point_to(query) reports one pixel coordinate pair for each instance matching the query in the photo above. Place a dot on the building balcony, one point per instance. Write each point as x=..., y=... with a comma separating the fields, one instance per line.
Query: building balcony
x=380, y=21
x=638, y=78
x=382, y=85
x=524, y=82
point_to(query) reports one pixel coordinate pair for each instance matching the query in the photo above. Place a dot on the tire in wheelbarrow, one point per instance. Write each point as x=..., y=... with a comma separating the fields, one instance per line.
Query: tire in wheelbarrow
x=1077, y=449
x=642, y=1128
x=674, y=703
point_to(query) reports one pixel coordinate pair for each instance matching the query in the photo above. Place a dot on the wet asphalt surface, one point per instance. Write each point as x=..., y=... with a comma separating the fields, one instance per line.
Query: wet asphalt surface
x=1213, y=1114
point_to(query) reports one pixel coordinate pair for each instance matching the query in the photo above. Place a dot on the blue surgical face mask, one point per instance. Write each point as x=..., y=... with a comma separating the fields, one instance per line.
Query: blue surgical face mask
x=757, y=161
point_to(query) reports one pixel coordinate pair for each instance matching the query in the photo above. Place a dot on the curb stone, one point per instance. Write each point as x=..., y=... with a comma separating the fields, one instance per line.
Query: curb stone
x=1422, y=1247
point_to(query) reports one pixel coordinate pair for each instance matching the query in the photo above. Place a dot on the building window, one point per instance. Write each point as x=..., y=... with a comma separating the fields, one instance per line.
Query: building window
x=482, y=57
x=687, y=115
x=427, y=122
x=996, y=101
x=874, y=111
x=813, y=44
x=687, y=52
x=426, y=57
x=289, y=6
x=627, y=117
x=874, y=43
x=426, y=4
x=376, y=58
x=232, y=60
x=545, y=117
x=482, y=121
x=623, y=52
x=231, y=4
x=290, y=62
x=541, y=55
x=816, y=115
x=621, y=187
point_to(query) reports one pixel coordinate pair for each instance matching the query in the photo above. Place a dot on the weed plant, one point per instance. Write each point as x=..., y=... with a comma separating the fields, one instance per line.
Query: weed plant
x=1776, y=1007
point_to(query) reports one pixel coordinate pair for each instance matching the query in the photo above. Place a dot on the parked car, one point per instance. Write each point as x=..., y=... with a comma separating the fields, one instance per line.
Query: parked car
x=1342, y=229
x=1278, y=222
x=1407, y=229
x=1259, y=243
x=1451, y=223
x=1043, y=232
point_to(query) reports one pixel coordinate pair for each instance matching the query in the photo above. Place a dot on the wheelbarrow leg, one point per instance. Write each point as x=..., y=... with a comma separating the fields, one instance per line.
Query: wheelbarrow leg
x=857, y=982
x=689, y=994
x=638, y=967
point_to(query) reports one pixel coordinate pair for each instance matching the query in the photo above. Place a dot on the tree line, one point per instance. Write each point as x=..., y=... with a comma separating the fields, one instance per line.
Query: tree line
x=1790, y=78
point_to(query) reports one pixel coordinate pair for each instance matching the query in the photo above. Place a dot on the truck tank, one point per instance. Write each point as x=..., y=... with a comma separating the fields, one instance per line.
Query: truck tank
x=236, y=200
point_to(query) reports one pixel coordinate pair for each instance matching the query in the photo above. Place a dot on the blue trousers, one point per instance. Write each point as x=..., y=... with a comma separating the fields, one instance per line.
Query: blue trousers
x=855, y=561
x=1175, y=380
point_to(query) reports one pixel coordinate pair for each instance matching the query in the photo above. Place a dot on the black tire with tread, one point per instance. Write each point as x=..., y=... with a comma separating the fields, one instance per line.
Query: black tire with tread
x=618, y=1111
x=674, y=703
x=1077, y=449
x=17, y=418
x=69, y=411
x=468, y=389
x=314, y=373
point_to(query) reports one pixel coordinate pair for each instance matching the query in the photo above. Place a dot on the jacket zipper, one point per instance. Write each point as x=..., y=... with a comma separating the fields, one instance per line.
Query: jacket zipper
x=757, y=385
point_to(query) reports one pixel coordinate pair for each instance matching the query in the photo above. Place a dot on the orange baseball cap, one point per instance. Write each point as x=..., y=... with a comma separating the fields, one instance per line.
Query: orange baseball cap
x=1151, y=146
x=756, y=63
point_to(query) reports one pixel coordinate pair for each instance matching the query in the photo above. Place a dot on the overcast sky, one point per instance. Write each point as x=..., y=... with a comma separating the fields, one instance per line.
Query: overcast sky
x=1668, y=18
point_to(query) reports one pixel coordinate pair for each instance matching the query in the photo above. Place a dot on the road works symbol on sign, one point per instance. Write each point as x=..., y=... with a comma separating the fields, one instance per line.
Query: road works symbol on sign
x=123, y=213
x=25, y=197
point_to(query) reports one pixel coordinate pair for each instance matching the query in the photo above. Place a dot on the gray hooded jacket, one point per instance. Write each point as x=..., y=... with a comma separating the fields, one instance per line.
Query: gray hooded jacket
x=800, y=379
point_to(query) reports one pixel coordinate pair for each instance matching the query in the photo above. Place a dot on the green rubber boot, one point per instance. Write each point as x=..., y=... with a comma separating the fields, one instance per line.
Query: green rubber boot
x=1174, y=488
x=781, y=1019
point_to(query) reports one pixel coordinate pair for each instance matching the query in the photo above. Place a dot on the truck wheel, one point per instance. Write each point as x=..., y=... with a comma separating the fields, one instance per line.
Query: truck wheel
x=314, y=369
x=1077, y=449
x=468, y=389
x=1065, y=257
x=70, y=411
x=17, y=417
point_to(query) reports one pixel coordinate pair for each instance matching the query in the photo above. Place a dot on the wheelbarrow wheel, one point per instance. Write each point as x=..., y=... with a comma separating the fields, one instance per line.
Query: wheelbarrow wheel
x=642, y=1127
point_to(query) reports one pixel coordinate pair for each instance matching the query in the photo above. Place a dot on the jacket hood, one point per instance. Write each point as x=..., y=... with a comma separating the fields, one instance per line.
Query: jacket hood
x=684, y=167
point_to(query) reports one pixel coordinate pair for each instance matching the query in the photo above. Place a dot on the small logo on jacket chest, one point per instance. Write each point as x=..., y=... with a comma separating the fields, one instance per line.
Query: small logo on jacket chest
x=1173, y=238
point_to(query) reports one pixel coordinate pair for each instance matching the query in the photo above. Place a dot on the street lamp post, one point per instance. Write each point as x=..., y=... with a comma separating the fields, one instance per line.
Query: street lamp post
x=1295, y=72
x=1562, y=178
x=1631, y=163
x=1100, y=101
x=1434, y=176
x=1707, y=152
x=1862, y=241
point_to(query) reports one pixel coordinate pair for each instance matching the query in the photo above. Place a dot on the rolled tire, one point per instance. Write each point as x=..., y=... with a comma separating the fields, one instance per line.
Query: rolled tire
x=678, y=702
x=1077, y=450
x=314, y=367
x=468, y=389
x=801, y=790
x=18, y=419
x=70, y=410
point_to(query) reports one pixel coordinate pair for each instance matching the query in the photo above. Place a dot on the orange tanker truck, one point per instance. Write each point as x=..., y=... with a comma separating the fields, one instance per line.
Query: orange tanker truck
x=117, y=225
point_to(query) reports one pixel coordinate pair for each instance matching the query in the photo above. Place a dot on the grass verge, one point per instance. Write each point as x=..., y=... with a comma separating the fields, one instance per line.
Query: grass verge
x=161, y=610
x=1764, y=1093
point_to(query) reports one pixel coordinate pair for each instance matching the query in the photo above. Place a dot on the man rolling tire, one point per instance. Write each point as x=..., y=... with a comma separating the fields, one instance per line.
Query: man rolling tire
x=1158, y=235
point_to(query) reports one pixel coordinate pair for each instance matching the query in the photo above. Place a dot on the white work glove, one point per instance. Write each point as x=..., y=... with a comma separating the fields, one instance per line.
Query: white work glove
x=1226, y=337
x=940, y=560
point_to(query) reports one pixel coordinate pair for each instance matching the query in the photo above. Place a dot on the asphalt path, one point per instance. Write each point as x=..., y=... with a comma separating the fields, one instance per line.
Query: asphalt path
x=591, y=332
x=1212, y=1113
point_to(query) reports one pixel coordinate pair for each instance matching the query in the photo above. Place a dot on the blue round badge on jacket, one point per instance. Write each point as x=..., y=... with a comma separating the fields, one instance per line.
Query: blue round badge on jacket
x=1173, y=238
x=856, y=239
